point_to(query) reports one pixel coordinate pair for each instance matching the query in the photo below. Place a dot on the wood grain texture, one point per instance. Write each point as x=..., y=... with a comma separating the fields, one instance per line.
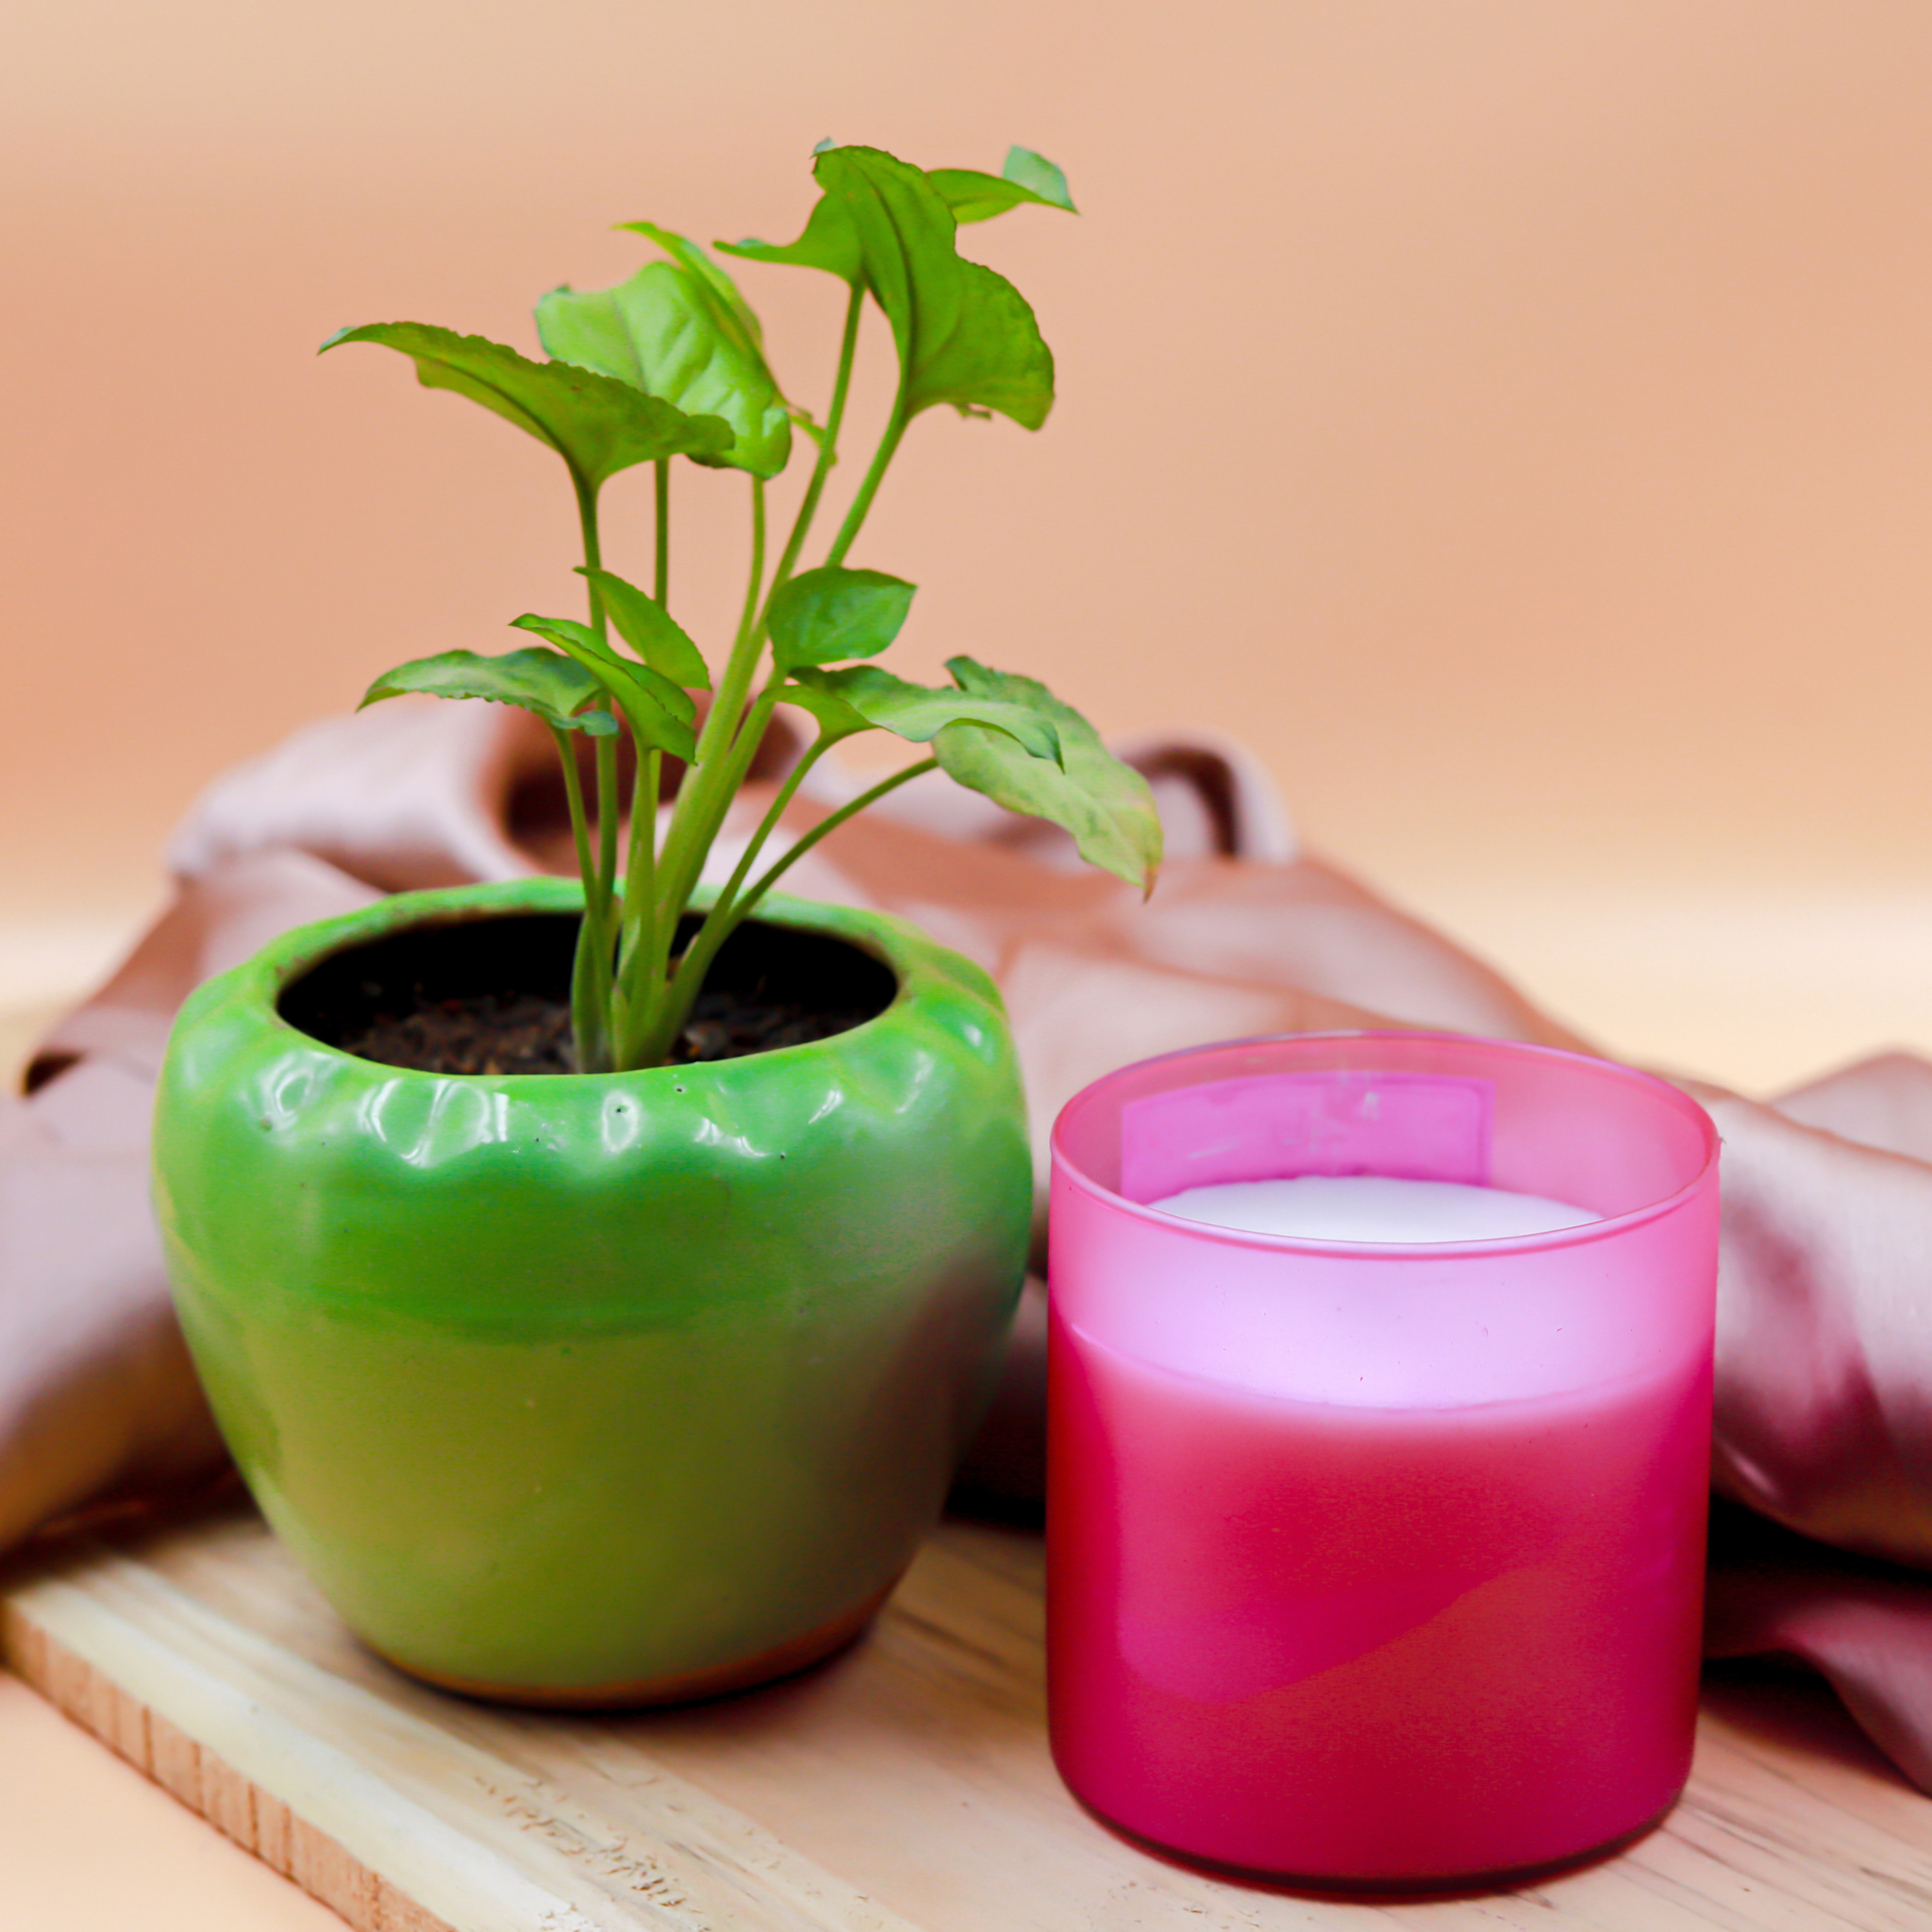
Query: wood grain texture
x=904, y=1784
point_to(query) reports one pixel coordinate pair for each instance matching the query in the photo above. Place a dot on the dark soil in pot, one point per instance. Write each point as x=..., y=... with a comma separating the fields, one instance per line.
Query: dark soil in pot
x=492, y=996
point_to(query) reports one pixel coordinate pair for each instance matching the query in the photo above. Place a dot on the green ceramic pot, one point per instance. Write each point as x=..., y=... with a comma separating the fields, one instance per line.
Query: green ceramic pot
x=579, y=1389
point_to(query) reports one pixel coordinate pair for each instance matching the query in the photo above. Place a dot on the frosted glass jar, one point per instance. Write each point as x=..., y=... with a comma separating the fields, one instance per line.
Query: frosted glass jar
x=1379, y=1565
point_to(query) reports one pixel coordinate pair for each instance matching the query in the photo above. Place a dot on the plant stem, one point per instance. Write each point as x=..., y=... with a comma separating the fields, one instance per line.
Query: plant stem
x=722, y=906
x=718, y=923
x=748, y=618
x=607, y=747
x=690, y=979
x=639, y=968
x=589, y=1001
x=591, y=991
x=824, y=827
x=648, y=1040
x=732, y=765
x=573, y=791
x=727, y=703
x=637, y=974
x=704, y=796
x=829, y=445
x=730, y=740
x=874, y=476
x=661, y=583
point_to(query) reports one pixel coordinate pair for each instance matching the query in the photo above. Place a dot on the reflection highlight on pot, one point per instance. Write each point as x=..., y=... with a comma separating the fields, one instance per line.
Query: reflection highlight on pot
x=621, y=1123
x=458, y=1117
x=286, y=1088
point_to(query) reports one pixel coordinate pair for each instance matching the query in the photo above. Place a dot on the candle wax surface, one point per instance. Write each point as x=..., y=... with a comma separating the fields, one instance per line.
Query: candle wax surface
x=1371, y=1208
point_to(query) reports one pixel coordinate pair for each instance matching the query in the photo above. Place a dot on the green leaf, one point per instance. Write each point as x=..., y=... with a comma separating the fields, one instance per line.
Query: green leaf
x=659, y=713
x=534, y=680
x=1106, y=804
x=672, y=333
x=965, y=335
x=596, y=656
x=597, y=426
x=735, y=316
x=836, y=719
x=1039, y=176
x=821, y=615
x=828, y=241
x=977, y=197
x=905, y=235
x=993, y=360
x=650, y=629
x=920, y=712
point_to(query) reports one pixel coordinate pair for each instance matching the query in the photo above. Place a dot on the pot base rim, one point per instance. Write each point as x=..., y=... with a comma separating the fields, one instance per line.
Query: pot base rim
x=674, y=1687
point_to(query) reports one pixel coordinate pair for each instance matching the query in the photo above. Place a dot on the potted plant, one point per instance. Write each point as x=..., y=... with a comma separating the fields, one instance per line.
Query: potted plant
x=596, y=1280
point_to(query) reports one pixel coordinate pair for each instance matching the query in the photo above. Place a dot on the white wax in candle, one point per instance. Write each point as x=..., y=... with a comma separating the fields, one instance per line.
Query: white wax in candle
x=1371, y=1208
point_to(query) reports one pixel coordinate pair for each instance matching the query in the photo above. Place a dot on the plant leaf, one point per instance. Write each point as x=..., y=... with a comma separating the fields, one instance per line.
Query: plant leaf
x=821, y=615
x=826, y=241
x=974, y=196
x=534, y=680
x=668, y=332
x=1039, y=176
x=596, y=655
x=597, y=426
x=905, y=234
x=836, y=718
x=993, y=360
x=965, y=335
x=735, y=316
x=659, y=711
x=1106, y=804
x=920, y=712
x=650, y=630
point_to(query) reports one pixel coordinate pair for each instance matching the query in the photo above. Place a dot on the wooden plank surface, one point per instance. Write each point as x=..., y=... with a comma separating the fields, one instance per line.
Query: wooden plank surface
x=907, y=1785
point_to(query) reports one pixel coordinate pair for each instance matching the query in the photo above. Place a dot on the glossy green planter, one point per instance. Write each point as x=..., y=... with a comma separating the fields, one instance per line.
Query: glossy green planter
x=578, y=1388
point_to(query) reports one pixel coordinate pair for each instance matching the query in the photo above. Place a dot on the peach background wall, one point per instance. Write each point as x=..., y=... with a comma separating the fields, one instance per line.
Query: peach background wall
x=1513, y=418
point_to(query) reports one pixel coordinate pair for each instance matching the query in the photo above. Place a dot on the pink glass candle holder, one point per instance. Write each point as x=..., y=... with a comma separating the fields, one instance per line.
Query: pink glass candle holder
x=1376, y=1565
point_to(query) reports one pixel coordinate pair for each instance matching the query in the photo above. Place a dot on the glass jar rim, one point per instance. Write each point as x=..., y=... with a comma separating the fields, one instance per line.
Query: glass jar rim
x=1602, y=1227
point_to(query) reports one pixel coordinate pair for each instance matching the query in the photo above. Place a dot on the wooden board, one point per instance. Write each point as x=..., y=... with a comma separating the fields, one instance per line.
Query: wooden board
x=906, y=1784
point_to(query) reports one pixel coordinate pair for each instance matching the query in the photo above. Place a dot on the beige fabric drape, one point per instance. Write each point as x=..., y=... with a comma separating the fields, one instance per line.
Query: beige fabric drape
x=1824, y=1369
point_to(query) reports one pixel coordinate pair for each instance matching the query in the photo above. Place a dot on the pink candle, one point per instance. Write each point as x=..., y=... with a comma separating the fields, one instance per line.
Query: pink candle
x=1379, y=1564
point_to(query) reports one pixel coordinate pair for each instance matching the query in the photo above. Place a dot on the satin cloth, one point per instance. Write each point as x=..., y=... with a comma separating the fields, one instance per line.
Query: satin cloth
x=1824, y=1430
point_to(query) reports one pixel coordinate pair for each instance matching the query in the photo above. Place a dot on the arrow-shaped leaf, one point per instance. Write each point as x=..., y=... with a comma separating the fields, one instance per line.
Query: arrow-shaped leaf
x=822, y=615
x=1106, y=804
x=678, y=330
x=920, y=712
x=905, y=234
x=828, y=241
x=597, y=425
x=534, y=680
x=834, y=718
x=1026, y=176
x=650, y=630
x=965, y=335
x=659, y=712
